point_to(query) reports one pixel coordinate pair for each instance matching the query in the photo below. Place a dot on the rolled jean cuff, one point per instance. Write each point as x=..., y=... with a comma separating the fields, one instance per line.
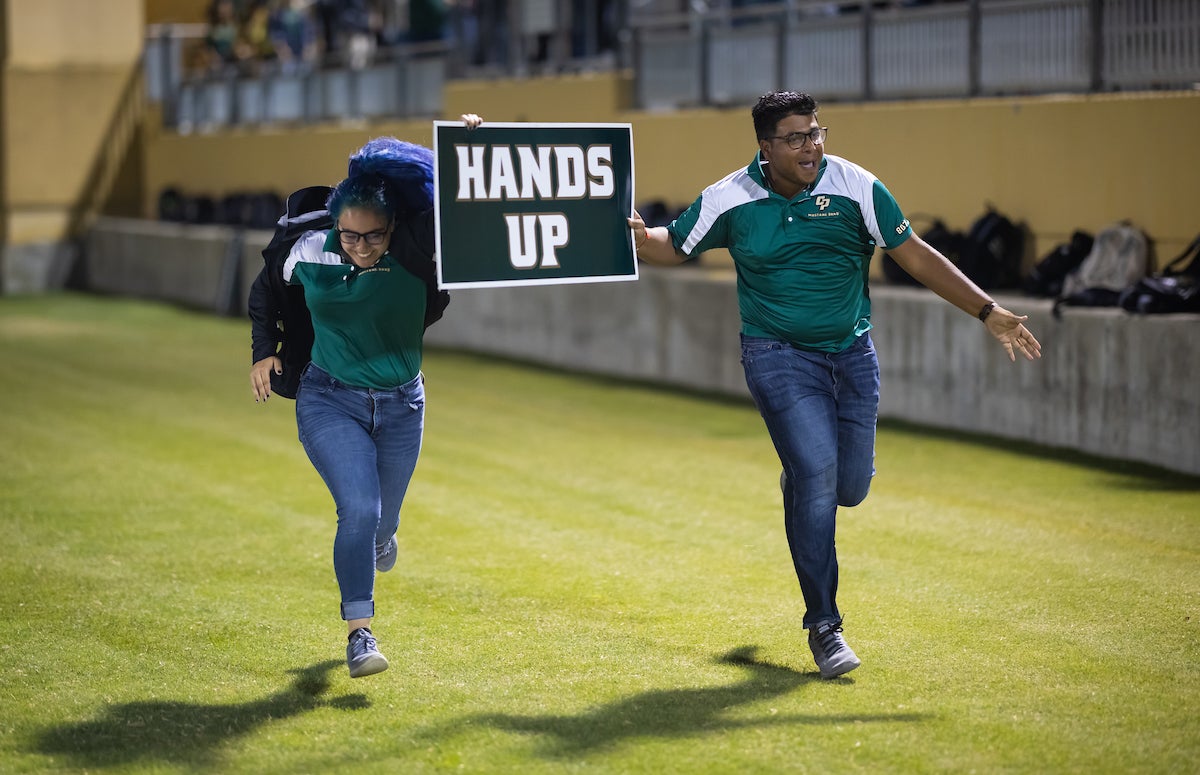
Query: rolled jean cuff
x=358, y=609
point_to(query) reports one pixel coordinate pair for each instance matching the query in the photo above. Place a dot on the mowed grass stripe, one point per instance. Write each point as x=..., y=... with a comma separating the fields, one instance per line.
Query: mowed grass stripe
x=593, y=577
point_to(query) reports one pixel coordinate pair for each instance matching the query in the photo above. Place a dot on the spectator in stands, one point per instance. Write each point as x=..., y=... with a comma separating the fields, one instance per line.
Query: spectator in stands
x=492, y=32
x=802, y=227
x=256, y=34
x=356, y=32
x=462, y=30
x=224, y=47
x=390, y=21
x=326, y=12
x=594, y=25
x=426, y=20
x=360, y=407
x=293, y=34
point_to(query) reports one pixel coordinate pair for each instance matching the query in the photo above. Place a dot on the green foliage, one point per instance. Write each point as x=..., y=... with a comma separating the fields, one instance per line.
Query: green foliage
x=593, y=577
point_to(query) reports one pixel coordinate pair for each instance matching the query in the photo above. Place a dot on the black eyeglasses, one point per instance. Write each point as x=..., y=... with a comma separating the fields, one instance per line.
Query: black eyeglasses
x=796, y=140
x=374, y=238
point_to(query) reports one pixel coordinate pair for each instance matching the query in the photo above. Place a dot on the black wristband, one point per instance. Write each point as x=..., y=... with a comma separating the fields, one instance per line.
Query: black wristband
x=987, y=310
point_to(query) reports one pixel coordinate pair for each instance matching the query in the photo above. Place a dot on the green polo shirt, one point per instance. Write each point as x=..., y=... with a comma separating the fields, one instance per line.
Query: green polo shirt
x=802, y=263
x=368, y=324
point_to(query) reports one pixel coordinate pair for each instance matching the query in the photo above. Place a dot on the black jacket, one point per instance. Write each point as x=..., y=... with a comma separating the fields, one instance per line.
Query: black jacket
x=280, y=323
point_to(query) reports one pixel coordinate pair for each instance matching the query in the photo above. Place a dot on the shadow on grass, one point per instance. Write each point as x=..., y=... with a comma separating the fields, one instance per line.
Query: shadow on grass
x=184, y=732
x=677, y=712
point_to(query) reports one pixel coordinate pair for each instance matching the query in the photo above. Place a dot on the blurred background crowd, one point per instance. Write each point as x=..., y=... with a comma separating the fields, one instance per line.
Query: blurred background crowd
x=292, y=35
x=250, y=37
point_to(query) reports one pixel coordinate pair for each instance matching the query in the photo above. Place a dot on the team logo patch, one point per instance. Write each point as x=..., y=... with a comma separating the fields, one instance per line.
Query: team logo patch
x=822, y=201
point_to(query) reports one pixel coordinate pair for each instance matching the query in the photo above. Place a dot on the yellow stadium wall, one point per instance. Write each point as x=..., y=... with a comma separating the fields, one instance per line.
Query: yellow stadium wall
x=176, y=11
x=66, y=66
x=1053, y=163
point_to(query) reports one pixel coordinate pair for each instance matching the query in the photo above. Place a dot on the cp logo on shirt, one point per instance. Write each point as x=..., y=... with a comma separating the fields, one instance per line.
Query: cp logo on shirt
x=822, y=202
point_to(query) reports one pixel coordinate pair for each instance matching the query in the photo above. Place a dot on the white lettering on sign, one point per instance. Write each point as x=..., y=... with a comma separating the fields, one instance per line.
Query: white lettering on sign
x=535, y=171
x=534, y=238
x=529, y=173
x=600, y=172
x=548, y=172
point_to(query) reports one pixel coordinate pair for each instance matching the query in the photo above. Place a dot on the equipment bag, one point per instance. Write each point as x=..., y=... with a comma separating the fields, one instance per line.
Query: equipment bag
x=1046, y=277
x=939, y=237
x=1117, y=260
x=992, y=251
x=1175, y=289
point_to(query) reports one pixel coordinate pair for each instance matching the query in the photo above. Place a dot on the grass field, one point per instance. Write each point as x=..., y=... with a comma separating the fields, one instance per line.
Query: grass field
x=593, y=578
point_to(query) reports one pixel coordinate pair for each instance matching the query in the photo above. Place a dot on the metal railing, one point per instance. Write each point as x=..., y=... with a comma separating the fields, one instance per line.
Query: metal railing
x=400, y=86
x=485, y=39
x=717, y=52
x=400, y=81
x=953, y=49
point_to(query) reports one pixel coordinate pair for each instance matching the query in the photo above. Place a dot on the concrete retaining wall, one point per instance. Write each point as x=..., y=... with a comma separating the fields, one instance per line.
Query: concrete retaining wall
x=1109, y=383
x=251, y=264
x=195, y=266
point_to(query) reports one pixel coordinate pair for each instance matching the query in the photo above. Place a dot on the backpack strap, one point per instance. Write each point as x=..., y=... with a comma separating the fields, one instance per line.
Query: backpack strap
x=1188, y=261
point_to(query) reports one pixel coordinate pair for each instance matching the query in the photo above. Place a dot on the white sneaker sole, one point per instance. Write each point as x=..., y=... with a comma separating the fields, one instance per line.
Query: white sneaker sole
x=840, y=668
x=375, y=663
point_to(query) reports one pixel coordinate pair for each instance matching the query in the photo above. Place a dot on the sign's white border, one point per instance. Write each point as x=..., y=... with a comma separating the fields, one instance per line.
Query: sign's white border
x=437, y=208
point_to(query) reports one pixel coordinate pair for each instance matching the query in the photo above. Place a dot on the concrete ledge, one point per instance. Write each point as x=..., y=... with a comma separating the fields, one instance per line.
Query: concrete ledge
x=187, y=265
x=675, y=327
x=1109, y=383
x=250, y=265
x=36, y=267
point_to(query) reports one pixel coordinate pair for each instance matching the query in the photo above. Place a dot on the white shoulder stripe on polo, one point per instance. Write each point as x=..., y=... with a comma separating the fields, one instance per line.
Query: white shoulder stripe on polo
x=734, y=190
x=309, y=248
x=845, y=178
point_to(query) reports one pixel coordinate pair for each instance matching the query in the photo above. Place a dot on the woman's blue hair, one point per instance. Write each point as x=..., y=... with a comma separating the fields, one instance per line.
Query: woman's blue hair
x=406, y=170
x=406, y=167
x=363, y=192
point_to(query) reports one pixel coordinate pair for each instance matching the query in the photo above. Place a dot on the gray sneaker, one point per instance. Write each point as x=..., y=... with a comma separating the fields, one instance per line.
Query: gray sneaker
x=830, y=651
x=362, y=654
x=385, y=556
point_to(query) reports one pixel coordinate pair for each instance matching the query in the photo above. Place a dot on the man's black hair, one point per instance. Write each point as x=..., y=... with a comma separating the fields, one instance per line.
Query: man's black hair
x=778, y=105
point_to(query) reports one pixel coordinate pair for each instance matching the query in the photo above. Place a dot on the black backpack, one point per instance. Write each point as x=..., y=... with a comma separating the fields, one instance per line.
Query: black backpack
x=280, y=322
x=940, y=238
x=253, y=210
x=991, y=252
x=1175, y=289
x=1045, y=279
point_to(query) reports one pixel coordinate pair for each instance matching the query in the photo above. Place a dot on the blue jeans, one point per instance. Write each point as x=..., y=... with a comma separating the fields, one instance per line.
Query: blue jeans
x=364, y=443
x=820, y=410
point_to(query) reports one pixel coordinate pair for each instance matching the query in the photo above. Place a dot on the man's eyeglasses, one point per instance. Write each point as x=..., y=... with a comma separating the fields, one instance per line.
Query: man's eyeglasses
x=350, y=238
x=796, y=140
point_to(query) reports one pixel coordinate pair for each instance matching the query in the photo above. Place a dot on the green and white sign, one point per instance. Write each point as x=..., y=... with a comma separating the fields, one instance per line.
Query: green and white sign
x=533, y=204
